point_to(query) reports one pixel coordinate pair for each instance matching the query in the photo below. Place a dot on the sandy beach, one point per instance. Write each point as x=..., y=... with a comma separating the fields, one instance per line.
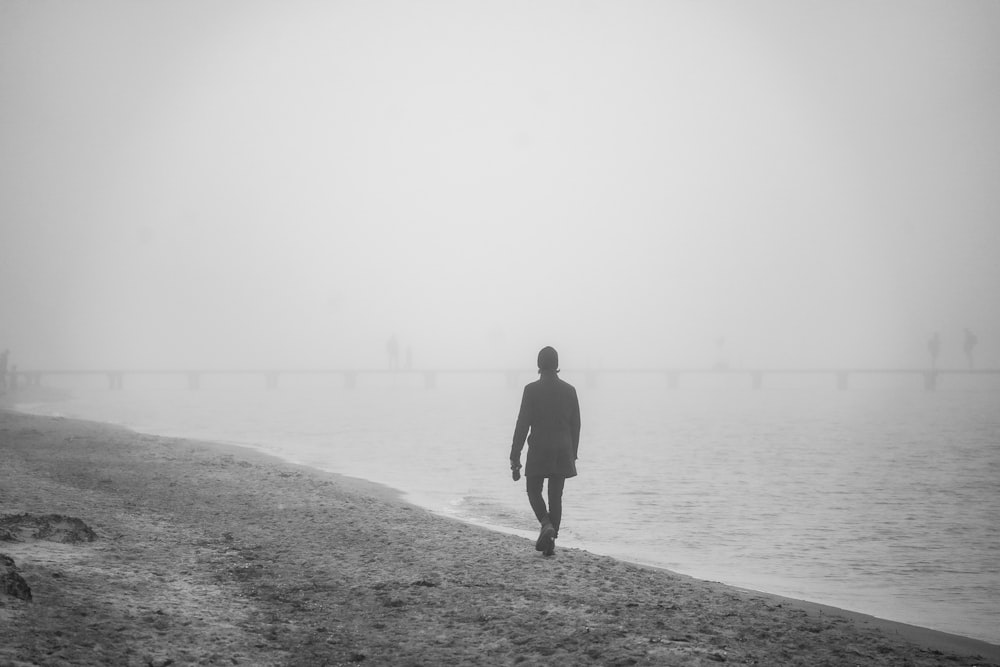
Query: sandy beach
x=143, y=550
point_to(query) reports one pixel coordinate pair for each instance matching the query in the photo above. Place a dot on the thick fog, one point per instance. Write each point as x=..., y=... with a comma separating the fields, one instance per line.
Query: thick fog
x=236, y=184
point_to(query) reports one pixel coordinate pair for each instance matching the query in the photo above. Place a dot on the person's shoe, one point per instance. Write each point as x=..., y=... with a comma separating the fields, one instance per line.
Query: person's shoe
x=551, y=551
x=545, y=538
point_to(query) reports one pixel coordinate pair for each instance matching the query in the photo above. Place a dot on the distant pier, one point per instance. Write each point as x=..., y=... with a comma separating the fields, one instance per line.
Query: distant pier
x=756, y=377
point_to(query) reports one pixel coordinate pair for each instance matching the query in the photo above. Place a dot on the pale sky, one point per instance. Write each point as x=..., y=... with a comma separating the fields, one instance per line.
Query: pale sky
x=249, y=184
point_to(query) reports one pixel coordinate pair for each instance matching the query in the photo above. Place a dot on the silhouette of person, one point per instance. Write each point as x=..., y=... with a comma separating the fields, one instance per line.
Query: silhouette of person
x=392, y=349
x=968, y=346
x=934, y=347
x=550, y=410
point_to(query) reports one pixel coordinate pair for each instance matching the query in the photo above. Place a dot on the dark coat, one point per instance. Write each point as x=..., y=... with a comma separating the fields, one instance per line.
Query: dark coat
x=551, y=411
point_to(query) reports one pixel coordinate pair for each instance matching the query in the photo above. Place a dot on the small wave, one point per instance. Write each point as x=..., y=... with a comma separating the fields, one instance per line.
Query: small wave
x=481, y=509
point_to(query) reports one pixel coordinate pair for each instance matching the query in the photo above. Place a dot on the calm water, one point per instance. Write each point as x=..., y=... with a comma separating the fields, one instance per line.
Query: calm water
x=882, y=499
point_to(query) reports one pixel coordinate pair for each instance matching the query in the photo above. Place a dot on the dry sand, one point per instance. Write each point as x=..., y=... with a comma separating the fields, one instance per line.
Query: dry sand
x=209, y=554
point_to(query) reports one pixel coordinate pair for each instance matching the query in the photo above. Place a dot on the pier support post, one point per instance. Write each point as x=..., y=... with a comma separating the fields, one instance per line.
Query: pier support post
x=430, y=379
x=591, y=379
x=842, y=380
x=757, y=378
x=350, y=380
x=271, y=381
x=672, y=380
x=115, y=381
x=194, y=381
x=930, y=380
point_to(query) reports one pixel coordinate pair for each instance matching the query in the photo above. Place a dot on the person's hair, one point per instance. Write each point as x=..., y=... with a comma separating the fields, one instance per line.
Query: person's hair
x=548, y=359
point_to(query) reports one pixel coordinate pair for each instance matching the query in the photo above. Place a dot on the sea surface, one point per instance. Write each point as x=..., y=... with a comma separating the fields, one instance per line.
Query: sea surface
x=883, y=498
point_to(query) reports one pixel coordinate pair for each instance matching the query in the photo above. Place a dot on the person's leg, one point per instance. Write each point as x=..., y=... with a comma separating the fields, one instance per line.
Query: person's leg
x=556, y=485
x=547, y=534
x=534, y=485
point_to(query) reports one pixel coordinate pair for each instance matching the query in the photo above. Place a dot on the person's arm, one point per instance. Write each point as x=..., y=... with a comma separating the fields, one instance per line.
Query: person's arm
x=575, y=425
x=520, y=430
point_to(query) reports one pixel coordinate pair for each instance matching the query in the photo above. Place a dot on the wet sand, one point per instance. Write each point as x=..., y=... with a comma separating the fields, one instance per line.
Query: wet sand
x=204, y=553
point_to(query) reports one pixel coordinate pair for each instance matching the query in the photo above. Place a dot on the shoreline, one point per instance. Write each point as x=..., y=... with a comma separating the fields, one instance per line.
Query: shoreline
x=141, y=487
x=814, y=587
x=929, y=638
x=943, y=639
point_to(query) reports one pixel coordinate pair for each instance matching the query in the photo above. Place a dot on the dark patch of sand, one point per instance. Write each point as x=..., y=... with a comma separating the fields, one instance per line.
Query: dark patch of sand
x=52, y=527
x=11, y=581
x=208, y=554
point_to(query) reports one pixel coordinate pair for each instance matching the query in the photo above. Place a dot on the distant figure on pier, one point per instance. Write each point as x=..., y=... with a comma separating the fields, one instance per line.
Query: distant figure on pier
x=3, y=368
x=550, y=410
x=934, y=347
x=392, y=350
x=969, y=346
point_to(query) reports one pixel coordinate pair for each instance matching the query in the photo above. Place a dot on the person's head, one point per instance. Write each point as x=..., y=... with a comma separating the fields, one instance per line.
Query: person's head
x=548, y=360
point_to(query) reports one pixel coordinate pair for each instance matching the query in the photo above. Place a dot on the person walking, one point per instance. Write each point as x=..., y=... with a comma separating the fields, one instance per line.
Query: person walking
x=550, y=411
